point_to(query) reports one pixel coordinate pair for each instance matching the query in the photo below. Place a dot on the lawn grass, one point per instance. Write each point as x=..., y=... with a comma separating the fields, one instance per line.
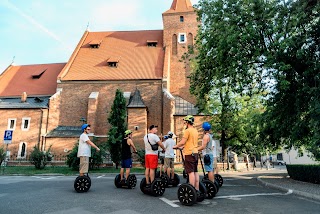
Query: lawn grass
x=64, y=170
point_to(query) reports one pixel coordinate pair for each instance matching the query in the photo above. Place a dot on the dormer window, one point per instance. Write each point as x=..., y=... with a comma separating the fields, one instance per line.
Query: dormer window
x=95, y=43
x=181, y=19
x=38, y=74
x=152, y=43
x=113, y=62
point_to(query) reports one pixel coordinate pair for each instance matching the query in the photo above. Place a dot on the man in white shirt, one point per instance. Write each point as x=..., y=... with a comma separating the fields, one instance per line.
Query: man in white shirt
x=169, y=156
x=151, y=157
x=84, y=149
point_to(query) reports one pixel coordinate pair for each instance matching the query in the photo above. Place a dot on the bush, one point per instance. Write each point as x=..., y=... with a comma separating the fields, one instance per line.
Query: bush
x=2, y=155
x=306, y=173
x=73, y=161
x=40, y=158
x=141, y=156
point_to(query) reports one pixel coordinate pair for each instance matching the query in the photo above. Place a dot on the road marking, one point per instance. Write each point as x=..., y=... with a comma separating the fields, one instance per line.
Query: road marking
x=101, y=176
x=252, y=195
x=46, y=178
x=3, y=194
x=171, y=203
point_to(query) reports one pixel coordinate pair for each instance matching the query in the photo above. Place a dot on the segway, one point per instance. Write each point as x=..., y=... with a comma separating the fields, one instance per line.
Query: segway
x=187, y=194
x=212, y=187
x=82, y=183
x=130, y=183
x=157, y=187
x=217, y=179
x=167, y=181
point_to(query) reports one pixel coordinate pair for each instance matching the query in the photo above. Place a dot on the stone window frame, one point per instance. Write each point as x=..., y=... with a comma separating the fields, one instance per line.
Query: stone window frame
x=9, y=123
x=23, y=123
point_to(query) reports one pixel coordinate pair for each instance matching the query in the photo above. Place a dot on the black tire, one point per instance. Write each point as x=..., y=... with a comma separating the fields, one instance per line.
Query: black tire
x=203, y=192
x=157, y=175
x=176, y=180
x=165, y=179
x=132, y=181
x=157, y=187
x=219, y=179
x=117, y=181
x=82, y=184
x=143, y=184
x=187, y=194
x=211, y=189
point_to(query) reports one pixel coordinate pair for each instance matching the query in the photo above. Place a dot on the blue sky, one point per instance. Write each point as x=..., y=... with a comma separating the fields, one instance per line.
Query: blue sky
x=47, y=31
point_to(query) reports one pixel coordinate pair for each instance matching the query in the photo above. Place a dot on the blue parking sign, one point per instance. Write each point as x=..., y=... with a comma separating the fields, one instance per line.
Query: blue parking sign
x=7, y=136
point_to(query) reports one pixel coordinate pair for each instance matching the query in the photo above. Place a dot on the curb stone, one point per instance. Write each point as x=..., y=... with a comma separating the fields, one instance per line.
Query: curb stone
x=296, y=192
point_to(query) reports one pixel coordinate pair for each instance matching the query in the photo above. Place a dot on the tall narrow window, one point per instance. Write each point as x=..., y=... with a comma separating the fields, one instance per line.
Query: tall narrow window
x=174, y=45
x=22, y=153
x=190, y=41
x=12, y=123
x=181, y=19
x=25, y=123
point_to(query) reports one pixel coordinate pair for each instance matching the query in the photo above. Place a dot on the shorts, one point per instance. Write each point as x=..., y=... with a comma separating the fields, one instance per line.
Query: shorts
x=127, y=163
x=209, y=168
x=191, y=163
x=84, y=164
x=168, y=162
x=161, y=160
x=151, y=161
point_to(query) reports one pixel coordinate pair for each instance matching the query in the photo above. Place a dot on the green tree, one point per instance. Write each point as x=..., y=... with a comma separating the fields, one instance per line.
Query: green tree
x=246, y=47
x=117, y=119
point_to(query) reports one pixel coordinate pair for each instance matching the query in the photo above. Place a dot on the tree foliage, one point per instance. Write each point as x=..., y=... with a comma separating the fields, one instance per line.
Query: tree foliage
x=117, y=120
x=248, y=47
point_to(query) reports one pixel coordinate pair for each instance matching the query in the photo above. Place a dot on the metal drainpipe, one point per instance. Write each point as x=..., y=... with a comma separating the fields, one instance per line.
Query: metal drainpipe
x=40, y=127
x=162, y=106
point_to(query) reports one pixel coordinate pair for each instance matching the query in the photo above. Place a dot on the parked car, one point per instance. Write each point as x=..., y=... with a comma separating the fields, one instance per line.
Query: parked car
x=281, y=162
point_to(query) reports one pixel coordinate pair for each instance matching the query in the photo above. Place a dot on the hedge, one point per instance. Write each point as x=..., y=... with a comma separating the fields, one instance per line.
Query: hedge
x=306, y=173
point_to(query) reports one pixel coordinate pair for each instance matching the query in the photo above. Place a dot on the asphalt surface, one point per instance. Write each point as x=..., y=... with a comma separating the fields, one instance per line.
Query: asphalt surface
x=242, y=192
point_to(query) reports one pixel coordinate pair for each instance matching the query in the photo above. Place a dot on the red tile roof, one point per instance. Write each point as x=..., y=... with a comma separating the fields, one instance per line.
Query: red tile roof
x=135, y=59
x=180, y=6
x=18, y=79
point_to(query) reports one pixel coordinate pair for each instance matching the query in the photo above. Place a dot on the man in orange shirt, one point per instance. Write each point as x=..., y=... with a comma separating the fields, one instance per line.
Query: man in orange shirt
x=190, y=143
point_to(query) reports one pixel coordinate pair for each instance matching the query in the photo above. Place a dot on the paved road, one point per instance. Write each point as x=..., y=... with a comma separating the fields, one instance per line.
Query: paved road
x=241, y=193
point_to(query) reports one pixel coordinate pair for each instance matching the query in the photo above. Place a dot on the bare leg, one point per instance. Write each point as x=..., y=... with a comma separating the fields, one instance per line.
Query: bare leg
x=211, y=176
x=192, y=179
x=197, y=179
x=121, y=173
x=127, y=173
x=152, y=175
x=147, y=172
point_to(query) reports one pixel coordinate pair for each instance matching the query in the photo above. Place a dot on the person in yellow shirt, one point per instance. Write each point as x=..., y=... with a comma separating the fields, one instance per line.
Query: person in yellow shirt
x=190, y=143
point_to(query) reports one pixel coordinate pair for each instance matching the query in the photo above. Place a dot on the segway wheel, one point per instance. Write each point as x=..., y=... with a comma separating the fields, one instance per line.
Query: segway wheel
x=143, y=184
x=117, y=181
x=165, y=179
x=132, y=181
x=187, y=194
x=176, y=180
x=211, y=189
x=82, y=184
x=157, y=187
x=202, y=192
x=219, y=179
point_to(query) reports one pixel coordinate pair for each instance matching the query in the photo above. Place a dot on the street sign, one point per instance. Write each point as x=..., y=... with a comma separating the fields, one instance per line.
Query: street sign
x=7, y=139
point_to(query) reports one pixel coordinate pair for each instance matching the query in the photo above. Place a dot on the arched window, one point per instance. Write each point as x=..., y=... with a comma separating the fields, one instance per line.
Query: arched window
x=174, y=44
x=190, y=41
x=22, y=153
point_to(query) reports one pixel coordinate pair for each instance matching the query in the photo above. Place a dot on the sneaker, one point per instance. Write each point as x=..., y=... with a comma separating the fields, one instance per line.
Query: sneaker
x=148, y=186
x=123, y=181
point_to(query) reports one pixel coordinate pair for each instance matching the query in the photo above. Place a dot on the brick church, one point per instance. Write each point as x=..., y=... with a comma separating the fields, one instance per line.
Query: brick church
x=50, y=104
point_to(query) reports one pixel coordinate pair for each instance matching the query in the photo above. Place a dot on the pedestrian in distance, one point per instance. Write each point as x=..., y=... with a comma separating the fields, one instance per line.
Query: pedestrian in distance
x=169, y=156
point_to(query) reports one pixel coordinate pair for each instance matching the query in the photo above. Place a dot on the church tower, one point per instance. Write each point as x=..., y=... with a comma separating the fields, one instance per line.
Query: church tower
x=179, y=30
